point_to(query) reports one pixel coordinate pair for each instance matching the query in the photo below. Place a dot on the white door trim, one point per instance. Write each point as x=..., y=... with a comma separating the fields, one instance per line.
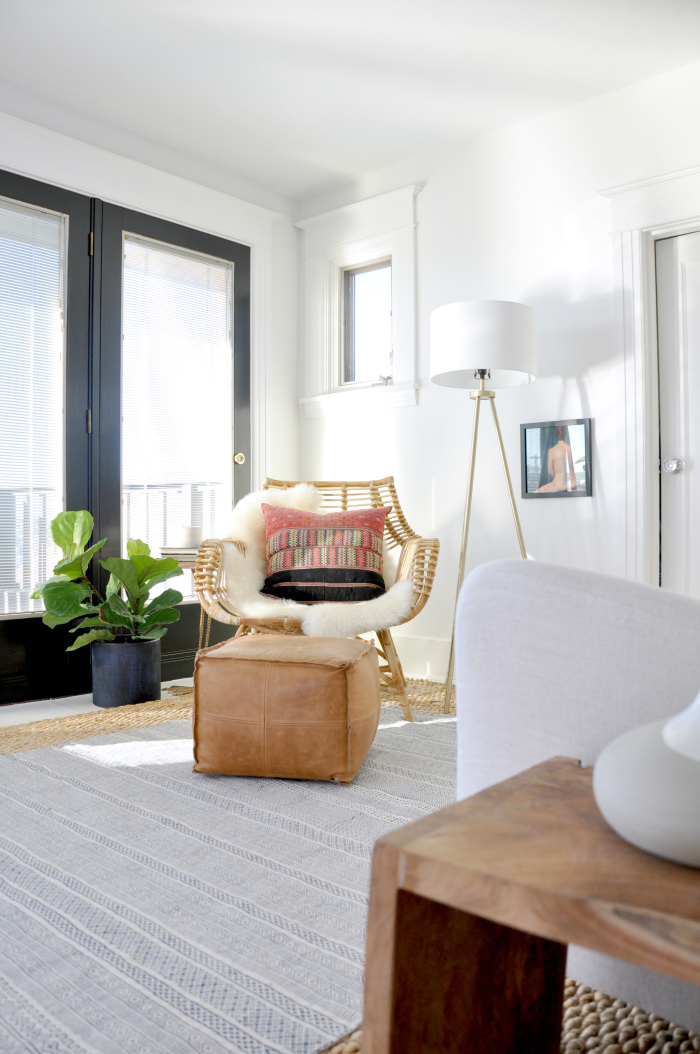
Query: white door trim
x=642, y=213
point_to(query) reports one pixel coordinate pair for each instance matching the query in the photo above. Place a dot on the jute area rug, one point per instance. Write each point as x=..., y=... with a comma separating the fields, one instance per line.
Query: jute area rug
x=424, y=696
x=151, y=909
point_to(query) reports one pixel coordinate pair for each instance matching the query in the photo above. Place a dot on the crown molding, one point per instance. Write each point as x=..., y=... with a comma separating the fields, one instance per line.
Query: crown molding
x=650, y=181
x=656, y=201
x=40, y=153
x=391, y=197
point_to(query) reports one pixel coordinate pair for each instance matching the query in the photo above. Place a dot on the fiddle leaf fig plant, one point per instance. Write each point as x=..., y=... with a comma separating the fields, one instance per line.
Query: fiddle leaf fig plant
x=124, y=612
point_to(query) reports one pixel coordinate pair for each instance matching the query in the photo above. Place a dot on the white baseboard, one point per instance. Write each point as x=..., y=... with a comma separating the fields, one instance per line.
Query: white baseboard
x=423, y=656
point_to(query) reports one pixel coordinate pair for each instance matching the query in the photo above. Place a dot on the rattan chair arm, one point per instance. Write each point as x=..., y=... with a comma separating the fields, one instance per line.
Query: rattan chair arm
x=417, y=563
x=209, y=582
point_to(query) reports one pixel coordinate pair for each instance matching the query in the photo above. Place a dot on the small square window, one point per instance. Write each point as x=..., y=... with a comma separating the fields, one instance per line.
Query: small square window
x=367, y=331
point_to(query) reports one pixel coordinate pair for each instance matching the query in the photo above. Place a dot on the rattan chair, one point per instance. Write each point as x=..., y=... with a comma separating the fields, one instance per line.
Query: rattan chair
x=417, y=563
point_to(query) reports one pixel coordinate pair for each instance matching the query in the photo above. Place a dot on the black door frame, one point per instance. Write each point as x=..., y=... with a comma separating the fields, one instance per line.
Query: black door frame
x=111, y=223
x=178, y=647
x=33, y=662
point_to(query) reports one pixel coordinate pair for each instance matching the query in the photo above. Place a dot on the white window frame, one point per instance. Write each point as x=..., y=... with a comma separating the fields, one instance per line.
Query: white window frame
x=356, y=269
x=365, y=232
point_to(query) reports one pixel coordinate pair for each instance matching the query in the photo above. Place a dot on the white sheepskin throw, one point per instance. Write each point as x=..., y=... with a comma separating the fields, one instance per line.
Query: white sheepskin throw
x=245, y=575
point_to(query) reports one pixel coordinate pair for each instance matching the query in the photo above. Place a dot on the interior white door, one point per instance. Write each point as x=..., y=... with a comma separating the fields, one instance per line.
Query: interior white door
x=678, y=313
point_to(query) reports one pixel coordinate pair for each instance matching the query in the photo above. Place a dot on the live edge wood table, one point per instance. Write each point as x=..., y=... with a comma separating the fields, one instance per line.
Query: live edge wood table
x=471, y=910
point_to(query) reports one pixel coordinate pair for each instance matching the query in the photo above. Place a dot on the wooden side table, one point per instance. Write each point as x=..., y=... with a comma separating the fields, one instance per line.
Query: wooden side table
x=471, y=910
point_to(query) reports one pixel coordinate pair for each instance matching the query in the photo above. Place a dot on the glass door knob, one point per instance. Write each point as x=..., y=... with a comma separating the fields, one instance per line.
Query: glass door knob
x=672, y=465
x=239, y=459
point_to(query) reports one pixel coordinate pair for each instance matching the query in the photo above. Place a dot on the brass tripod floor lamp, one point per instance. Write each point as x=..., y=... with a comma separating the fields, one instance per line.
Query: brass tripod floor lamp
x=471, y=342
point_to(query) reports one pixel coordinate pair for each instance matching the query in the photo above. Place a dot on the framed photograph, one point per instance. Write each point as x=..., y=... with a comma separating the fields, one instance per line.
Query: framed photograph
x=555, y=459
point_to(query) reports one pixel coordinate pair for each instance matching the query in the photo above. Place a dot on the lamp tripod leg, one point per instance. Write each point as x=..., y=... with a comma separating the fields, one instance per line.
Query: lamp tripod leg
x=463, y=551
x=467, y=516
x=511, y=495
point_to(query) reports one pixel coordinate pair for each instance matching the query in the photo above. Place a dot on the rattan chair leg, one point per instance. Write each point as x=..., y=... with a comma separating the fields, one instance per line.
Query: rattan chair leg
x=398, y=679
x=201, y=628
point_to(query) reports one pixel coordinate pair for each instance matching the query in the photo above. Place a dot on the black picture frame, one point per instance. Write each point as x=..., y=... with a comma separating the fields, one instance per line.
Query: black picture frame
x=537, y=439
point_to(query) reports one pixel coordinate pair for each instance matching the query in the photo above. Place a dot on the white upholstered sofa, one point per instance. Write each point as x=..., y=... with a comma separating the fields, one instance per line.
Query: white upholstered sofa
x=555, y=661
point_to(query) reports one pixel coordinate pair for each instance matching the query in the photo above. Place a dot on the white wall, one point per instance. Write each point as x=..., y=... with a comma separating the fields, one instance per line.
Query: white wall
x=517, y=216
x=265, y=224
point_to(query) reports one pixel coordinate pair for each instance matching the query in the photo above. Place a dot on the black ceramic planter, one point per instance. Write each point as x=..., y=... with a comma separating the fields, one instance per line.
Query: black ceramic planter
x=125, y=672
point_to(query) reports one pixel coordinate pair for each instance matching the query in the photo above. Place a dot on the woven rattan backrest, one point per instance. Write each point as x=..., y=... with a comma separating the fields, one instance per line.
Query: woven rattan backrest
x=359, y=494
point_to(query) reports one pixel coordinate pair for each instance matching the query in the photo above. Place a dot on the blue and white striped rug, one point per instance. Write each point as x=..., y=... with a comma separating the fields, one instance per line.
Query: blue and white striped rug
x=146, y=908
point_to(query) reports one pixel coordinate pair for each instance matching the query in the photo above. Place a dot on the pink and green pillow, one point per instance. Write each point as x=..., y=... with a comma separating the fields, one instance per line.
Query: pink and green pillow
x=313, y=558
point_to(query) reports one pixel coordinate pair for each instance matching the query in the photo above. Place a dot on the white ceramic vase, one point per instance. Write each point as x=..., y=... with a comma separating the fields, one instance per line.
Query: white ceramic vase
x=185, y=537
x=647, y=786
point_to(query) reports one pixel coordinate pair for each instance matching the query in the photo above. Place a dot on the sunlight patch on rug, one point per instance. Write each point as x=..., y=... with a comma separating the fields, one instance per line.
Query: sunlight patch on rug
x=134, y=755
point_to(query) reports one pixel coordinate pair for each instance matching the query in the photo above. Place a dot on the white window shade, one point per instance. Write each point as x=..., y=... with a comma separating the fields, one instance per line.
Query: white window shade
x=177, y=397
x=367, y=323
x=32, y=286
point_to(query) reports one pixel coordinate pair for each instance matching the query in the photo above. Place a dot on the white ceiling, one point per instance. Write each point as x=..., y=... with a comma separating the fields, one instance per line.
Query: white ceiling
x=302, y=96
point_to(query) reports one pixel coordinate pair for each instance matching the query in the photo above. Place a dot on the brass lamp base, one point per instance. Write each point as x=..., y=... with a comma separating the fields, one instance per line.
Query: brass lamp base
x=479, y=395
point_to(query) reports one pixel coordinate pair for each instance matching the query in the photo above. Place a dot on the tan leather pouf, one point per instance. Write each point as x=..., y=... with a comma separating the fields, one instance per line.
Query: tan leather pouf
x=291, y=706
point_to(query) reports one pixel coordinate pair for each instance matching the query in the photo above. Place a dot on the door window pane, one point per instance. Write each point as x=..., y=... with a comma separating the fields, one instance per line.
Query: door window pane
x=177, y=398
x=367, y=321
x=32, y=286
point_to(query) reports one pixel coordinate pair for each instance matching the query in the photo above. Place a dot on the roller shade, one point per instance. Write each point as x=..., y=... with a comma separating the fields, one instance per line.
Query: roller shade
x=32, y=288
x=177, y=398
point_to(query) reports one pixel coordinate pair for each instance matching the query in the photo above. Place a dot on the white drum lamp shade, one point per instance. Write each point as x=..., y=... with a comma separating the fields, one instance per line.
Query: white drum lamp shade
x=495, y=335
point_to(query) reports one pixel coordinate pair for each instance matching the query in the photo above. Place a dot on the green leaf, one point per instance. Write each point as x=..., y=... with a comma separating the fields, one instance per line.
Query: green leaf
x=113, y=586
x=167, y=599
x=135, y=547
x=142, y=564
x=116, y=613
x=56, y=620
x=152, y=571
x=119, y=606
x=88, y=623
x=153, y=634
x=78, y=565
x=88, y=638
x=39, y=591
x=65, y=598
x=71, y=531
x=161, y=576
x=159, y=618
x=125, y=572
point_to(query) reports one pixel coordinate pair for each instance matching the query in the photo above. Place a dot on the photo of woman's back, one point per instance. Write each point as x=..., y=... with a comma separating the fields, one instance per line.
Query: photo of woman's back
x=559, y=458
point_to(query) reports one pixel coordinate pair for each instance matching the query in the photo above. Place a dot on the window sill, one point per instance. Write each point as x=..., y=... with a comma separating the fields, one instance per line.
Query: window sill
x=377, y=396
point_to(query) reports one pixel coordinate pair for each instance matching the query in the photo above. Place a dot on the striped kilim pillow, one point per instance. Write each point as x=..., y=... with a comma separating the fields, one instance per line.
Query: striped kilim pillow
x=313, y=558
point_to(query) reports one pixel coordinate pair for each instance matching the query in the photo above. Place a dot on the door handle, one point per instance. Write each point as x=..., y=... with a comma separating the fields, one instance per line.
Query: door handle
x=672, y=465
x=239, y=459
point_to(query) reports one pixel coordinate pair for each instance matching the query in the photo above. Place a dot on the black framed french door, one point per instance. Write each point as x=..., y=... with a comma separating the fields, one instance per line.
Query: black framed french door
x=112, y=225
x=33, y=662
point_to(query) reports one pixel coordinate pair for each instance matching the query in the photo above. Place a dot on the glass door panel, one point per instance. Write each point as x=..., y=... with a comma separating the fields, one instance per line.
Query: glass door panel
x=177, y=394
x=32, y=367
